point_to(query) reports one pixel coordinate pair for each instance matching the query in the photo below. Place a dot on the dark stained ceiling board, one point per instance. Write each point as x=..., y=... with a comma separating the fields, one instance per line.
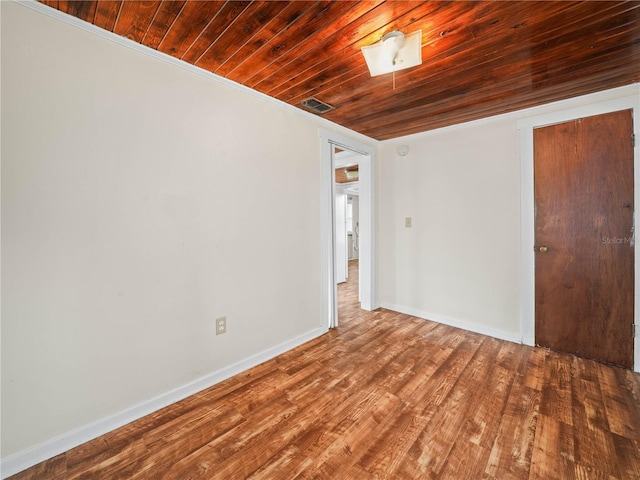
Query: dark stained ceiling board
x=479, y=58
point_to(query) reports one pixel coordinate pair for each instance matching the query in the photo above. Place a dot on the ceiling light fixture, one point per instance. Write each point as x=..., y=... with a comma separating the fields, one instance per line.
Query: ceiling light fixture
x=395, y=51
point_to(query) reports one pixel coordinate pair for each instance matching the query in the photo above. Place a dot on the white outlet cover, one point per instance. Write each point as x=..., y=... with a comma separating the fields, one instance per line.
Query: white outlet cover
x=221, y=325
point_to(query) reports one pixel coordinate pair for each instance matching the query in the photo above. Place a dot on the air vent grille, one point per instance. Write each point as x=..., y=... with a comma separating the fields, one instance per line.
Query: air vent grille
x=316, y=105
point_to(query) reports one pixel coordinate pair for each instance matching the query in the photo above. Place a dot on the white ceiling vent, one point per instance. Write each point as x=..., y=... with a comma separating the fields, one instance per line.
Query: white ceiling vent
x=316, y=105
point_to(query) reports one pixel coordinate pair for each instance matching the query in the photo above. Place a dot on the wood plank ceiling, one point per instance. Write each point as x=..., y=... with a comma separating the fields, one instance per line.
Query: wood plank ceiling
x=479, y=58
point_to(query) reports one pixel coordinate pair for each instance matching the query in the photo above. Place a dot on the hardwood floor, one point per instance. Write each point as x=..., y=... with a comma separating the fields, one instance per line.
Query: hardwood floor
x=385, y=396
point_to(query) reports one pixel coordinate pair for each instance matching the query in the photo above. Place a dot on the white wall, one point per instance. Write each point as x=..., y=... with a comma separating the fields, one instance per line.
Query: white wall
x=140, y=201
x=461, y=262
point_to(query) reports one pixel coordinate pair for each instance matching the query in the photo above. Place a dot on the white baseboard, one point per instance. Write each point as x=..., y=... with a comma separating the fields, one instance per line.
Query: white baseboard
x=55, y=446
x=454, y=322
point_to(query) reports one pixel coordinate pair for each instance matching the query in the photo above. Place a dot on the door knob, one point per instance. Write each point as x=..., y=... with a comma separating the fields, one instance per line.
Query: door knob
x=543, y=249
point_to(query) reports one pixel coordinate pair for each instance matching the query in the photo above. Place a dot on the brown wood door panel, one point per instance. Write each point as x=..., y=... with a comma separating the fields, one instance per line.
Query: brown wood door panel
x=584, y=286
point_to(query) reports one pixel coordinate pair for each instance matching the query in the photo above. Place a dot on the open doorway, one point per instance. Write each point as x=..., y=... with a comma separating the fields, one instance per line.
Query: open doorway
x=335, y=148
x=347, y=231
x=346, y=190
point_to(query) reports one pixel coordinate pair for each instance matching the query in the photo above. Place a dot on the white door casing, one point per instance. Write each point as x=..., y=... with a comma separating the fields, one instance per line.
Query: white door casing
x=328, y=140
x=527, y=204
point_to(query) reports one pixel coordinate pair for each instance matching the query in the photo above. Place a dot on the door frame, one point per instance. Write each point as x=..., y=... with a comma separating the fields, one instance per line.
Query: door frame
x=328, y=140
x=527, y=203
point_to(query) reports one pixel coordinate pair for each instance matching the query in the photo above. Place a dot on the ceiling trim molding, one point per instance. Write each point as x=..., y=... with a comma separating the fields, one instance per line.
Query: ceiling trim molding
x=125, y=42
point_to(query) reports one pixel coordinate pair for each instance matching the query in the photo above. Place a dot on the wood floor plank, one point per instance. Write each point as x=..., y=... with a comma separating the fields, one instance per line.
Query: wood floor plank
x=585, y=472
x=425, y=371
x=512, y=448
x=181, y=439
x=373, y=416
x=628, y=454
x=436, y=441
x=385, y=396
x=466, y=460
x=552, y=457
x=556, y=390
x=216, y=456
x=388, y=452
x=594, y=448
x=287, y=460
x=489, y=402
x=533, y=374
x=620, y=403
x=123, y=464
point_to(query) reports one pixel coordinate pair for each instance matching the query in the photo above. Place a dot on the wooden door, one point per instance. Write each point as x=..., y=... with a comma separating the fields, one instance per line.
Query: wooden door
x=584, y=268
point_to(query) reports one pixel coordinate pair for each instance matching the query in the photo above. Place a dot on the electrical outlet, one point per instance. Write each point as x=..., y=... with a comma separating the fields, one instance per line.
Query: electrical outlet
x=221, y=325
x=407, y=222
